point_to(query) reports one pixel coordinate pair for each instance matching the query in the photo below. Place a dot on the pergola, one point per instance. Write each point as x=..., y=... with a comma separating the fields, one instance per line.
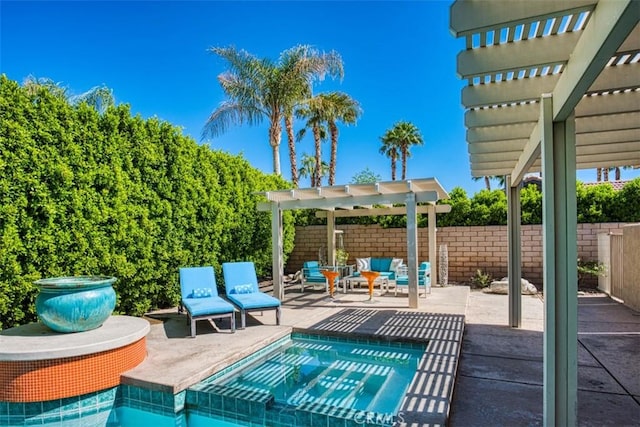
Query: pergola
x=358, y=200
x=553, y=86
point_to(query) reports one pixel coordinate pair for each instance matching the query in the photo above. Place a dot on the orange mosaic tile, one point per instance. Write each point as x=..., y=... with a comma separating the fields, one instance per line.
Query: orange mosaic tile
x=40, y=380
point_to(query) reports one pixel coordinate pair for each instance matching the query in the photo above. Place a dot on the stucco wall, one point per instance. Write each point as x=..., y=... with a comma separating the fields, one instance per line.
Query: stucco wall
x=631, y=266
x=469, y=248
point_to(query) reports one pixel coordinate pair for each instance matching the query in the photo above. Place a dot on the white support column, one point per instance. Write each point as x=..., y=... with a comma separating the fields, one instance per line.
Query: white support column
x=277, y=251
x=331, y=238
x=515, y=252
x=560, y=269
x=412, y=249
x=433, y=259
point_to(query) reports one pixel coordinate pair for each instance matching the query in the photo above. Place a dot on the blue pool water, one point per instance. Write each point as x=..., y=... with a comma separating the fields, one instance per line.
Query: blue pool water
x=309, y=377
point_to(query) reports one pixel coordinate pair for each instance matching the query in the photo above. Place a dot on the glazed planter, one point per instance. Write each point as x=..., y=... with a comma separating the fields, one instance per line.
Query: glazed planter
x=75, y=304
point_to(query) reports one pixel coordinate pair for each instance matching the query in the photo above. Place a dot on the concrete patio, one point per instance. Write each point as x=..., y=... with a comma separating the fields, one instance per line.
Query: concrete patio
x=477, y=371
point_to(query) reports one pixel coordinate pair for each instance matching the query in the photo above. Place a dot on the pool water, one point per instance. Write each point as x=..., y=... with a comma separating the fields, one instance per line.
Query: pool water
x=321, y=375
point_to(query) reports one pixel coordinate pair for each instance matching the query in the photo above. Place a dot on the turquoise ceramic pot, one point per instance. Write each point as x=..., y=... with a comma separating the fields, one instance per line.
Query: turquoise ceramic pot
x=75, y=304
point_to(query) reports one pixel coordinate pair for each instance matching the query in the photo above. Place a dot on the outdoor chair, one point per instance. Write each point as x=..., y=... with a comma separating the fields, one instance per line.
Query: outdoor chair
x=241, y=284
x=200, y=297
x=424, y=278
x=311, y=275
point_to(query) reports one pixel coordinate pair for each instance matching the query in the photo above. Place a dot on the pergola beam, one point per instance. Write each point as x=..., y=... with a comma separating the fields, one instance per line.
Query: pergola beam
x=510, y=137
x=595, y=106
x=400, y=210
x=525, y=54
x=584, y=155
x=519, y=90
x=529, y=155
x=473, y=16
x=346, y=202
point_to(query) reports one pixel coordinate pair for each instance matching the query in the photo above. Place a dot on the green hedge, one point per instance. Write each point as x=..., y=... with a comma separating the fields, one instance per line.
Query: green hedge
x=112, y=194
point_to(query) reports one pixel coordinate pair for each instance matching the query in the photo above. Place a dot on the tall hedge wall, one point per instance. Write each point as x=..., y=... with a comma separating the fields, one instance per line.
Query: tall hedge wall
x=112, y=194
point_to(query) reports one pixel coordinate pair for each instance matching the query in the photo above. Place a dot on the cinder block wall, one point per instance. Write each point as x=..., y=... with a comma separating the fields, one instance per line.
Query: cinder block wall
x=469, y=248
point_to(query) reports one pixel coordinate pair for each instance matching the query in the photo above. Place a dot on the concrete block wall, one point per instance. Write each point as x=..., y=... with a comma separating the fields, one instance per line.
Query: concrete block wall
x=469, y=248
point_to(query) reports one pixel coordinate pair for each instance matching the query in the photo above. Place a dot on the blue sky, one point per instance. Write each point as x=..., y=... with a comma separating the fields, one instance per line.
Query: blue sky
x=399, y=60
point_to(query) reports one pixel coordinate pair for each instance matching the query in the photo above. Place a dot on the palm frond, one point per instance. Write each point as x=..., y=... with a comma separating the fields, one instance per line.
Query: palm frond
x=230, y=113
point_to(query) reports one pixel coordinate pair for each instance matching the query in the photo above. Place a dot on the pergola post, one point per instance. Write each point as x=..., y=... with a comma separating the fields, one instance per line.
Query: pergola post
x=331, y=238
x=515, y=252
x=558, y=152
x=433, y=259
x=277, y=250
x=412, y=249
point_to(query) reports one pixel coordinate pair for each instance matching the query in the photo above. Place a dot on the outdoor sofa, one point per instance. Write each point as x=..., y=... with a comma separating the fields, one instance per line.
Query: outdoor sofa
x=385, y=266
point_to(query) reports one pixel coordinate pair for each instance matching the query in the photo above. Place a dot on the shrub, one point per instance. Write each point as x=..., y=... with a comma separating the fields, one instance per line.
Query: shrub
x=481, y=279
x=89, y=193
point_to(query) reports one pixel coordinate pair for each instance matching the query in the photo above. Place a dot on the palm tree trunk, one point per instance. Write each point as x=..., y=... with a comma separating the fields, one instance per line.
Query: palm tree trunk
x=275, y=135
x=318, y=172
x=605, y=174
x=404, y=162
x=618, y=174
x=393, y=167
x=598, y=174
x=334, y=153
x=487, y=183
x=288, y=124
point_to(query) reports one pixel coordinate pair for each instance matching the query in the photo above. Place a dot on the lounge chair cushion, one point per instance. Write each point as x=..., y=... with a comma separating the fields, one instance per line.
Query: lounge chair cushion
x=254, y=300
x=207, y=305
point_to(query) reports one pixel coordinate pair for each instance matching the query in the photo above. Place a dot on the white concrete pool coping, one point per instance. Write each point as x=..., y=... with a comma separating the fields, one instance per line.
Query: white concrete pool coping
x=35, y=341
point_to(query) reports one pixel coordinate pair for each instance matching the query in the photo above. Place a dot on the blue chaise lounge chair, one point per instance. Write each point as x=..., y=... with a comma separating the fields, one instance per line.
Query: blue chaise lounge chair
x=241, y=283
x=200, y=297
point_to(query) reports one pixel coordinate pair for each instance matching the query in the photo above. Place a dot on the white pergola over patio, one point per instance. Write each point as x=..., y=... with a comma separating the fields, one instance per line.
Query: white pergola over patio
x=553, y=86
x=357, y=200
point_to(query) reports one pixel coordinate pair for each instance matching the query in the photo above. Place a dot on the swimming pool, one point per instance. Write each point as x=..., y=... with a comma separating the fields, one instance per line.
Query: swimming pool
x=307, y=379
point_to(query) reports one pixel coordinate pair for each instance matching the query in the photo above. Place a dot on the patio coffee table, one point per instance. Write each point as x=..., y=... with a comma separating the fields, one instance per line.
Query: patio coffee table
x=381, y=281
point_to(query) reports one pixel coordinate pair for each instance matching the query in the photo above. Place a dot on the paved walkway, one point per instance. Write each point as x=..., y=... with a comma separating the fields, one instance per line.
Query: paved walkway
x=499, y=373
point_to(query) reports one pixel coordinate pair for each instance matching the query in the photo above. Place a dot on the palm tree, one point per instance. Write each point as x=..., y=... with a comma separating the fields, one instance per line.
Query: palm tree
x=341, y=107
x=259, y=88
x=618, y=173
x=404, y=135
x=487, y=181
x=502, y=180
x=308, y=169
x=390, y=149
x=33, y=84
x=299, y=66
x=252, y=87
x=314, y=111
x=98, y=97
